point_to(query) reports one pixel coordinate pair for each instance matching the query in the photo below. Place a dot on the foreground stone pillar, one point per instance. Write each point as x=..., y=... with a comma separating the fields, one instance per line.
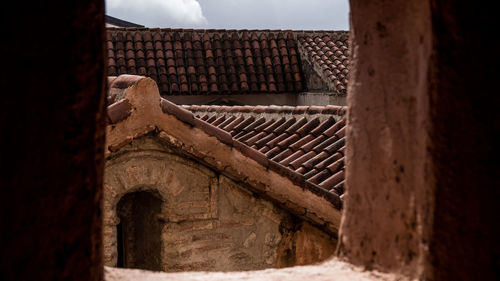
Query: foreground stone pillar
x=52, y=135
x=422, y=174
x=465, y=140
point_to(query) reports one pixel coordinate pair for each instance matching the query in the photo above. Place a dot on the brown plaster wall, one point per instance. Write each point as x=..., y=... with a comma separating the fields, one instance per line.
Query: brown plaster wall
x=465, y=149
x=305, y=244
x=421, y=177
x=389, y=200
x=52, y=128
x=211, y=223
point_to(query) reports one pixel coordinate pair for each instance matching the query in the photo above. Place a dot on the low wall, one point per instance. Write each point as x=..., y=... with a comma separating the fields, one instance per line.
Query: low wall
x=210, y=222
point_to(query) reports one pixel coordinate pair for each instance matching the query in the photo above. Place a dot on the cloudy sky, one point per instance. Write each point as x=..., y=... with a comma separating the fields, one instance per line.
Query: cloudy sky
x=240, y=14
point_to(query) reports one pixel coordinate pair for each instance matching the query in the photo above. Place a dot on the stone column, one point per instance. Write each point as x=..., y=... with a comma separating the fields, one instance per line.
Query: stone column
x=52, y=135
x=464, y=142
x=421, y=149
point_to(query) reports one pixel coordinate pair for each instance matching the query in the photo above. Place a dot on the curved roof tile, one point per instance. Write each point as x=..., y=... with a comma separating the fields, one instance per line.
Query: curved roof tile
x=329, y=56
x=306, y=140
x=194, y=62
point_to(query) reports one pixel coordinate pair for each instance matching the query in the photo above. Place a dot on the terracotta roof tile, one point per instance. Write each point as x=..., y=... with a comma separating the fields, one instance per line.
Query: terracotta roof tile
x=324, y=144
x=336, y=166
x=306, y=141
x=251, y=141
x=278, y=155
x=319, y=177
x=299, y=143
x=313, y=142
x=192, y=62
x=333, y=129
x=291, y=158
x=320, y=163
x=119, y=111
x=289, y=140
x=303, y=158
x=339, y=188
x=229, y=127
x=329, y=54
x=274, y=141
x=333, y=180
x=241, y=127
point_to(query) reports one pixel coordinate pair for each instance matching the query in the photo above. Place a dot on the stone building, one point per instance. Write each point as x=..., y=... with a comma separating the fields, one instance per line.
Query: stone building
x=439, y=224
x=235, y=67
x=116, y=22
x=214, y=212
x=219, y=187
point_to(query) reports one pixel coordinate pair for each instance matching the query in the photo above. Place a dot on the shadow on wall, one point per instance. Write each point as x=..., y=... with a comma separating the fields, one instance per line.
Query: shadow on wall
x=139, y=231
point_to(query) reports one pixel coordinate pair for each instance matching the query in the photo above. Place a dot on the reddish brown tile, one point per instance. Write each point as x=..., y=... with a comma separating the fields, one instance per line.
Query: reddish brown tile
x=119, y=111
x=302, y=140
x=263, y=61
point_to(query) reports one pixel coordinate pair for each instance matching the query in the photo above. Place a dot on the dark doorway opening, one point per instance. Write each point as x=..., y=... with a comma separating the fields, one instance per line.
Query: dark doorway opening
x=139, y=231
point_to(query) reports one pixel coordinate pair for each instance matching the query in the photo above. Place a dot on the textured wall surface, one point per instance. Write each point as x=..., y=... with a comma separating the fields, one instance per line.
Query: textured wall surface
x=422, y=184
x=389, y=196
x=465, y=143
x=332, y=270
x=209, y=222
x=52, y=130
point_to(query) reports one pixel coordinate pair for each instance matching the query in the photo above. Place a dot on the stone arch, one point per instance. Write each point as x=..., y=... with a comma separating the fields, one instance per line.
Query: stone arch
x=166, y=175
x=139, y=230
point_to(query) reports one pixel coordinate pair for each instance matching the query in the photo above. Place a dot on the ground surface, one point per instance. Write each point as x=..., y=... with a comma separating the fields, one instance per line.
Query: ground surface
x=331, y=271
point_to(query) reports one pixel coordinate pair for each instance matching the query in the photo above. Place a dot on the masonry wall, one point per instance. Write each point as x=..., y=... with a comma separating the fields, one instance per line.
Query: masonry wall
x=388, y=200
x=209, y=222
x=422, y=171
x=52, y=136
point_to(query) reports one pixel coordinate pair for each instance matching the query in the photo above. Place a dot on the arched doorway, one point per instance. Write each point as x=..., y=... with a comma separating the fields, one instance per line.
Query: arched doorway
x=139, y=231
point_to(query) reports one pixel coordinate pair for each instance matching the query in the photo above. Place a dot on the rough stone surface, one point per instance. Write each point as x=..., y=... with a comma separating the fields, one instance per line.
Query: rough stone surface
x=147, y=116
x=52, y=162
x=209, y=222
x=465, y=143
x=388, y=201
x=52, y=134
x=421, y=181
x=328, y=271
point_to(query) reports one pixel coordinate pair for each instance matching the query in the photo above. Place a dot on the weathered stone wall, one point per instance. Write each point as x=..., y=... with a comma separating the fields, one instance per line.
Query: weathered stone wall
x=422, y=170
x=52, y=127
x=210, y=222
x=321, y=98
x=388, y=203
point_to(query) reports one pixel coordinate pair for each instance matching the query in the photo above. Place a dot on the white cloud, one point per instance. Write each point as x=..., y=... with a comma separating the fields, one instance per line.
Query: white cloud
x=158, y=13
x=277, y=14
x=266, y=14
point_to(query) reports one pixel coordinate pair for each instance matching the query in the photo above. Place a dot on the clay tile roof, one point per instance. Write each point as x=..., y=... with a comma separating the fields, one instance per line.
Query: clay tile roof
x=193, y=62
x=329, y=56
x=306, y=182
x=307, y=141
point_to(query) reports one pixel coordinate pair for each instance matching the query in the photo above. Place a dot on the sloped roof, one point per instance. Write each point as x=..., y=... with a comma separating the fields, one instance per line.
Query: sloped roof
x=120, y=23
x=136, y=109
x=308, y=140
x=329, y=57
x=194, y=62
